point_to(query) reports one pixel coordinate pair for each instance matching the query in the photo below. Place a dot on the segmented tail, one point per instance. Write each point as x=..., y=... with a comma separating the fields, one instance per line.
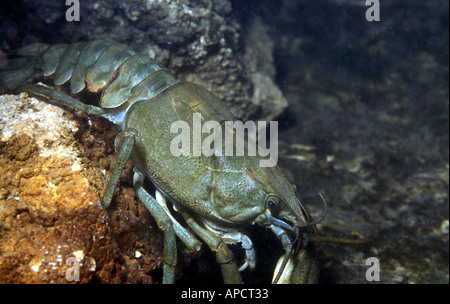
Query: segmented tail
x=22, y=65
x=114, y=70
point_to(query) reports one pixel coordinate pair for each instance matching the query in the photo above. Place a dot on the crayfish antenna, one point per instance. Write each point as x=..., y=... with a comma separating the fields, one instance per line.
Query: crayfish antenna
x=331, y=239
x=324, y=238
x=311, y=222
x=325, y=210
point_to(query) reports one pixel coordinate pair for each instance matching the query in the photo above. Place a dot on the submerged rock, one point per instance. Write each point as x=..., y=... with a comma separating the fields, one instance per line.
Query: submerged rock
x=201, y=41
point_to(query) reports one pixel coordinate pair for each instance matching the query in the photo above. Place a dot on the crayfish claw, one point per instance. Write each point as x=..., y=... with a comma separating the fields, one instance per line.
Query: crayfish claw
x=244, y=266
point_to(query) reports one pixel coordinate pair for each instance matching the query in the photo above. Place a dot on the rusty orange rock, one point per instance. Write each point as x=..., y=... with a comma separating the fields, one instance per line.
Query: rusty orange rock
x=51, y=220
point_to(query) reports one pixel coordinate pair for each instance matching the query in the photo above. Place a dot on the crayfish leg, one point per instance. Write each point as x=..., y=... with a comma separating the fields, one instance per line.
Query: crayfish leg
x=164, y=223
x=224, y=255
x=61, y=98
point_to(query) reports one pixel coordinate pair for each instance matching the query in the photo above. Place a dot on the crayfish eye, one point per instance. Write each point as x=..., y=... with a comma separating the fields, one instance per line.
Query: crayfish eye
x=271, y=205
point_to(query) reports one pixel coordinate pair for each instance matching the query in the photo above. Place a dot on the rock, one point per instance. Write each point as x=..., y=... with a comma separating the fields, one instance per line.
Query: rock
x=51, y=220
x=260, y=65
x=198, y=40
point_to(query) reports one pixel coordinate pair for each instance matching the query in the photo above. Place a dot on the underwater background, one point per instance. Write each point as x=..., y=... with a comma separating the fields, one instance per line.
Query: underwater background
x=363, y=112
